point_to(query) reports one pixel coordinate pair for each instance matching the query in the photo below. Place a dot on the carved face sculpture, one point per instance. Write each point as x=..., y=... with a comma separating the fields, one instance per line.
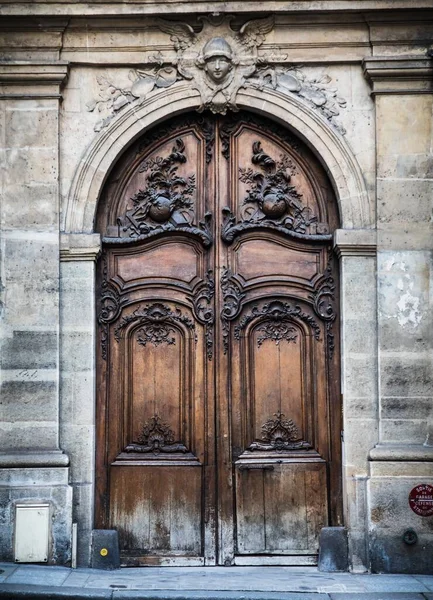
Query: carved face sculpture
x=218, y=59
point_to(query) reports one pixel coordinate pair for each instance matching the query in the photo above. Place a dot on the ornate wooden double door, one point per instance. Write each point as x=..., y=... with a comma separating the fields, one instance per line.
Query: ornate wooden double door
x=219, y=414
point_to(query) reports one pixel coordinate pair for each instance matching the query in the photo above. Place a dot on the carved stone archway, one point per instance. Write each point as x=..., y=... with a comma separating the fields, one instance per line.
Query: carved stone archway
x=330, y=147
x=333, y=151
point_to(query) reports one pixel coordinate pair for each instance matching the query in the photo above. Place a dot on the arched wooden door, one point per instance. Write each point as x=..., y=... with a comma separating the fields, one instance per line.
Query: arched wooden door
x=218, y=409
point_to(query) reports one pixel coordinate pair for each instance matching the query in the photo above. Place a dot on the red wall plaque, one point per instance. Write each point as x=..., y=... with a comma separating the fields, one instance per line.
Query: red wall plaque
x=421, y=500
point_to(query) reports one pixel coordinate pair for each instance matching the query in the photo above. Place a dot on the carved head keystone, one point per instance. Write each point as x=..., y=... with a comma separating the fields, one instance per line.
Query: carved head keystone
x=217, y=59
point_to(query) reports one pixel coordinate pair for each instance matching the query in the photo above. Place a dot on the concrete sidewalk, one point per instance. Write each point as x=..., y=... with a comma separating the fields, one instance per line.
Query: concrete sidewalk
x=210, y=583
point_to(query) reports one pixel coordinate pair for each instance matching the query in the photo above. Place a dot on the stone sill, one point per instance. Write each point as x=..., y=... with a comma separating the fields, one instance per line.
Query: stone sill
x=403, y=453
x=29, y=458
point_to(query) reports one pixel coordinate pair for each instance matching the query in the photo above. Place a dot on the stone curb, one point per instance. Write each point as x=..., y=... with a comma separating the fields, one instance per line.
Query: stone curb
x=38, y=592
x=18, y=591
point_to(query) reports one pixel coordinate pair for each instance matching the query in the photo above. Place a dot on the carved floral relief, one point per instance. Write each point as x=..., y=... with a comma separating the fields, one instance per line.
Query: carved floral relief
x=276, y=312
x=317, y=92
x=277, y=331
x=166, y=203
x=155, y=322
x=272, y=201
x=156, y=437
x=217, y=61
x=279, y=434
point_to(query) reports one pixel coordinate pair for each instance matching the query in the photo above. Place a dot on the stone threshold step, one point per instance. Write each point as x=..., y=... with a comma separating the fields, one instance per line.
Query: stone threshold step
x=39, y=592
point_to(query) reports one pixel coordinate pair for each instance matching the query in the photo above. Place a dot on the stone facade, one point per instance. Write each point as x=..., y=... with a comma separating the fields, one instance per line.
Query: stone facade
x=78, y=83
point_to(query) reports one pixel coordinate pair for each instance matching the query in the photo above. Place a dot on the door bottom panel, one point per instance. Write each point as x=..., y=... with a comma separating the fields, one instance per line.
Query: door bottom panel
x=162, y=561
x=276, y=561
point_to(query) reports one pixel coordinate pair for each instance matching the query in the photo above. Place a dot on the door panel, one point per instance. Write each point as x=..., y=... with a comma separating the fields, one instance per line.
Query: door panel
x=270, y=258
x=218, y=358
x=173, y=261
x=154, y=511
x=281, y=507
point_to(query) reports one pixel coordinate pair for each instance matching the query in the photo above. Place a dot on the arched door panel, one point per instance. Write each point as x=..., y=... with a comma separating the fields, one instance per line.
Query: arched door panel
x=219, y=409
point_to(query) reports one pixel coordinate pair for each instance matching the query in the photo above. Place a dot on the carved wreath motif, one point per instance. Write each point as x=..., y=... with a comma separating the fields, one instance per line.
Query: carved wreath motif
x=272, y=201
x=277, y=312
x=156, y=437
x=279, y=434
x=155, y=320
x=166, y=203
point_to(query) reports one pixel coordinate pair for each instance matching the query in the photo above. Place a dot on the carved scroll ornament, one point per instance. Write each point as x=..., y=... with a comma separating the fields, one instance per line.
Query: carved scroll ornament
x=203, y=309
x=325, y=305
x=156, y=437
x=232, y=303
x=277, y=312
x=154, y=320
x=272, y=201
x=110, y=306
x=278, y=435
x=165, y=204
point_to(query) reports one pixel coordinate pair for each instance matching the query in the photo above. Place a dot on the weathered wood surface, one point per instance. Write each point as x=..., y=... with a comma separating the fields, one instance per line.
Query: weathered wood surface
x=218, y=370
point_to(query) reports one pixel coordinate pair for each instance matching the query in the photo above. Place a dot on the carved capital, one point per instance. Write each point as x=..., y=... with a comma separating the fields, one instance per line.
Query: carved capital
x=355, y=242
x=32, y=79
x=79, y=246
x=399, y=75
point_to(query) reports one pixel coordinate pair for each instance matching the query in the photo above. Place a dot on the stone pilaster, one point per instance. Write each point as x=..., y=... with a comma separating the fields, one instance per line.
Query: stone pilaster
x=403, y=92
x=33, y=467
x=78, y=253
x=357, y=252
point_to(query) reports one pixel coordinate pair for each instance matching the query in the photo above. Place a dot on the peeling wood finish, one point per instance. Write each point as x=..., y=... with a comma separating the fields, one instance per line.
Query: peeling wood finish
x=219, y=409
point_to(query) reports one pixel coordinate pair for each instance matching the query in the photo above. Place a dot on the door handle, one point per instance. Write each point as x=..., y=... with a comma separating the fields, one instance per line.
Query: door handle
x=256, y=468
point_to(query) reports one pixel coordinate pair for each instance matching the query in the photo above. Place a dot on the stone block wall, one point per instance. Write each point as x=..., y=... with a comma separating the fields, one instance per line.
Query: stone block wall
x=33, y=468
x=377, y=64
x=402, y=458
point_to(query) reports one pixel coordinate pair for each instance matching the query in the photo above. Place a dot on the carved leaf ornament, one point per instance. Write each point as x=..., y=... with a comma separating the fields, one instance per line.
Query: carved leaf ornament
x=324, y=305
x=156, y=437
x=218, y=62
x=277, y=313
x=272, y=202
x=154, y=320
x=165, y=204
x=279, y=434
